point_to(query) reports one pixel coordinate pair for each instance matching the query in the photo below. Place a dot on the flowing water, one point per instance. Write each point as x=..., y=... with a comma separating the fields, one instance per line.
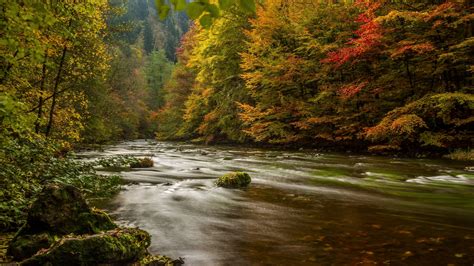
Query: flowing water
x=302, y=207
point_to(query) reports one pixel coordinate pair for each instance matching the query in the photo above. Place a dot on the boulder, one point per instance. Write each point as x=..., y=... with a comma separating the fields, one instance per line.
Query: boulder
x=61, y=209
x=234, y=180
x=118, y=246
x=58, y=210
x=61, y=229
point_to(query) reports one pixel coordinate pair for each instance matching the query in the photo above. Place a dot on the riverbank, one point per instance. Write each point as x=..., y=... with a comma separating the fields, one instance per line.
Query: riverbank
x=361, y=149
x=62, y=228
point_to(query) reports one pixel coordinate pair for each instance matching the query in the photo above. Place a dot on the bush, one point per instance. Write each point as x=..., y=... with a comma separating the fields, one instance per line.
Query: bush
x=461, y=155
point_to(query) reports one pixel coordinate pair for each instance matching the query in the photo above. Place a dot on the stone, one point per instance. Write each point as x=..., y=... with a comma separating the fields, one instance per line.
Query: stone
x=61, y=209
x=143, y=163
x=234, y=180
x=58, y=210
x=118, y=246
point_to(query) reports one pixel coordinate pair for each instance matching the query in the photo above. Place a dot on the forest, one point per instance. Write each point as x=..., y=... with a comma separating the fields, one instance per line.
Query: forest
x=376, y=77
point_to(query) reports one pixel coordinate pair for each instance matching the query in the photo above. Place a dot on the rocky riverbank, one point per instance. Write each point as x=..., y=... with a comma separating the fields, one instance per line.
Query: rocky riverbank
x=61, y=228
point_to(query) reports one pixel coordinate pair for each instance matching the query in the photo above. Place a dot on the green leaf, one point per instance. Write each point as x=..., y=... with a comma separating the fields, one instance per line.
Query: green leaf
x=225, y=4
x=213, y=10
x=206, y=21
x=180, y=5
x=164, y=10
x=248, y=5
x=159, y=4
x=194, y=10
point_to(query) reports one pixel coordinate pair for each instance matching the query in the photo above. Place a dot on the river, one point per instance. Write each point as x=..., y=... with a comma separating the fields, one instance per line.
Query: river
x=302, y=207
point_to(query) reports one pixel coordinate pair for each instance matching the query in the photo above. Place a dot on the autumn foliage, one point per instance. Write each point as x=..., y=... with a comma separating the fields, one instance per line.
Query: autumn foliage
x=371, y=74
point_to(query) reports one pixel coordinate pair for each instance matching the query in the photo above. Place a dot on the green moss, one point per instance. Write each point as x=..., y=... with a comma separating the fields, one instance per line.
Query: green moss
x=95, y=222
x=143, y=163
x=59, y=210
x=158, y=260
x=25, y=246
x=234, y=180
x=119, y=246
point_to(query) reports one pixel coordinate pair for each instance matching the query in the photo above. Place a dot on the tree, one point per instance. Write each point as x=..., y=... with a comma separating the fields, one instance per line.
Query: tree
x=177, y=90
x=211, y=110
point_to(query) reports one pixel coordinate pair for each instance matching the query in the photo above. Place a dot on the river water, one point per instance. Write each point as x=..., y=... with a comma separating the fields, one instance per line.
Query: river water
x=302, y=207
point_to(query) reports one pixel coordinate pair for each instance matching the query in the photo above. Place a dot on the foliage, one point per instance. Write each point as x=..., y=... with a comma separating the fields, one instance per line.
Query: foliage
x=170, y=117
x=382, y=75
x=430, y=122
x=461, y=155
x=203, y=10
x=22, y=178
x=158, y=72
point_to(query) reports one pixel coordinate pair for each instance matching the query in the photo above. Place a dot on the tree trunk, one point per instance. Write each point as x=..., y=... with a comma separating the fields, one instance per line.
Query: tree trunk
x=41, y=100
x=55, y=91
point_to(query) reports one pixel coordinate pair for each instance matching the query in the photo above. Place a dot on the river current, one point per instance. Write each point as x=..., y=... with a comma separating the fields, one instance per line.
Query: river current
x=302, y=207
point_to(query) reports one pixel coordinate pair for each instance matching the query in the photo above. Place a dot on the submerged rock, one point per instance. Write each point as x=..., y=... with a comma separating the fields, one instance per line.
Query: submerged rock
x=234, y=180
x=142, y=163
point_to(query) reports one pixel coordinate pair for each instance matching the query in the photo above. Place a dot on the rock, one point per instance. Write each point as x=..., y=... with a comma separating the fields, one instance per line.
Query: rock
x=118, y=246
x=143, y=163
x=25, y=246
x=234, y=180
x=61, y=229
x=61, y=209
x=158, y=260
x=58, y=210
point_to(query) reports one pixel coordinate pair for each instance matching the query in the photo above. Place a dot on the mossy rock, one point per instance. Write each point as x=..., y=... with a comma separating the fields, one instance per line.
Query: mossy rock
x=158, y=260
x=119, y=246
x=234, y=180
x=143, y=163
x=61, y=209
x=25, y=246
x=58, y=210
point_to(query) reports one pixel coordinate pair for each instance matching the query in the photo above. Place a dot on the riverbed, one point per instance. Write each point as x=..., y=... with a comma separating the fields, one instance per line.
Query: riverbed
x=302, y=207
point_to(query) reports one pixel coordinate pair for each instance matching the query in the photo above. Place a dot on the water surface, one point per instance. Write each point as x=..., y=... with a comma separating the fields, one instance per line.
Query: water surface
x=302, y=207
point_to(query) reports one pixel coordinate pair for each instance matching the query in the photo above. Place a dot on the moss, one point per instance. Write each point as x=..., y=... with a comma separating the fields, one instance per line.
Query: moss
x=25, y=246
x=59, y=210
x=63, y=230
x=143, y=163
x=5, y=239
x=96, y=221
x=234, y=180
x=123, y=245
x=158, y=260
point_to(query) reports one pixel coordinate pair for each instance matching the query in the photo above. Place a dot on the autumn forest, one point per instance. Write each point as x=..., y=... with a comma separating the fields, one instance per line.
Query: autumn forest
x=374, y=77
